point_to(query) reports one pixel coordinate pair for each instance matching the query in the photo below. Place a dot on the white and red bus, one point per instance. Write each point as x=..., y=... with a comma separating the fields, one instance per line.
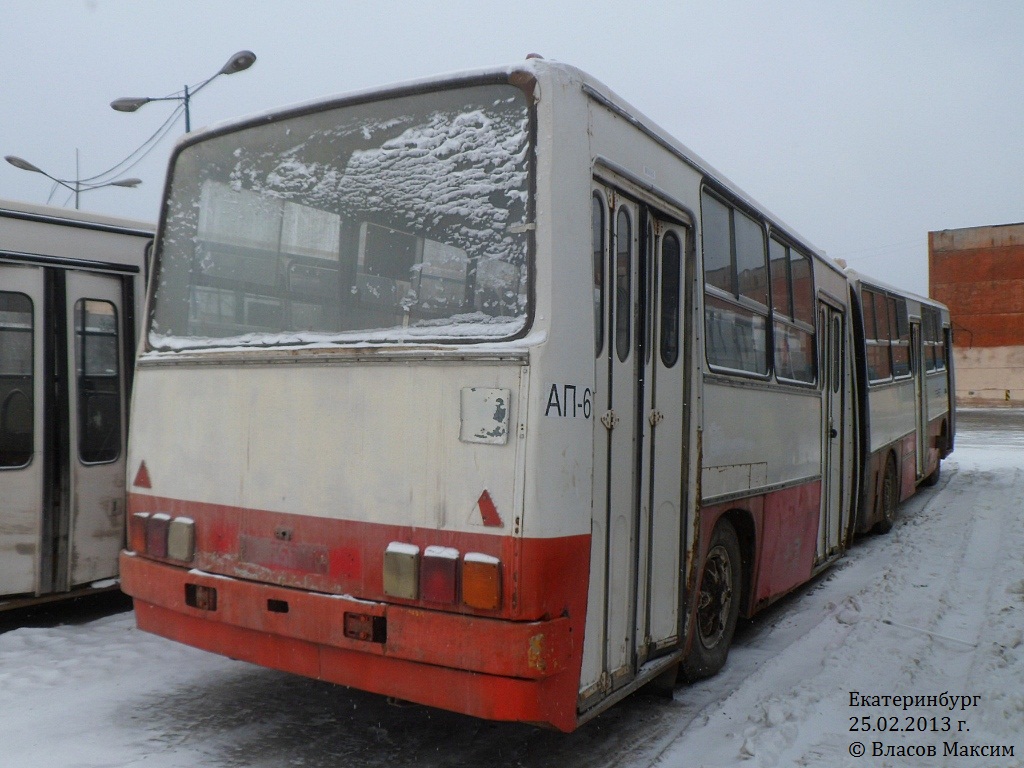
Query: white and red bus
x=71, y=291
x=907, y=395
x=481, y=392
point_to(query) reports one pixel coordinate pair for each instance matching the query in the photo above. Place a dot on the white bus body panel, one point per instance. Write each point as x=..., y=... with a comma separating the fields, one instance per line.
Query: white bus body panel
x=288, y=445
x=756, y=437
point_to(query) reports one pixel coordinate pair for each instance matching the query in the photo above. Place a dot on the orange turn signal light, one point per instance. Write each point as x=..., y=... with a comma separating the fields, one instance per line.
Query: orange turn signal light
x=481, y=581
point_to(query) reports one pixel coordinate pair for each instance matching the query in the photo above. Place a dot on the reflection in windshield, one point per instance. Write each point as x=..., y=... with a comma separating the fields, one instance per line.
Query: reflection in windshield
x=391, y=221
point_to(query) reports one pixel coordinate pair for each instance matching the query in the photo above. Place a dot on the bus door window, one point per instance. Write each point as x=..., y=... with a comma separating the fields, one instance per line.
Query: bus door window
x=16, y=379
x=837, y=353
x=648, y=293
x=99, y=390
x=597, y=239
x=671, y=261
x=623, y=283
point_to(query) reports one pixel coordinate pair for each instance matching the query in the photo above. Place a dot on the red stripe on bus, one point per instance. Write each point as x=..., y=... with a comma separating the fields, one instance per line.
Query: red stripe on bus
x=784, y=524
x=544, y=577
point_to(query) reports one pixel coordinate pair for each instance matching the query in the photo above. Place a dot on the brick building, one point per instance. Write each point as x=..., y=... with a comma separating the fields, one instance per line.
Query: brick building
x=978, y=273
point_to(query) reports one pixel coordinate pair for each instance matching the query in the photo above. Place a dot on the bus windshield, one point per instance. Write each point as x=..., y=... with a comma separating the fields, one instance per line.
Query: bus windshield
x=397, y=220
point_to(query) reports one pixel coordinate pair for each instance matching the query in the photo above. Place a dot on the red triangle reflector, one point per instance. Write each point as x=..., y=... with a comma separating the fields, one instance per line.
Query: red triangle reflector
x=142, y=477
x=488, y=511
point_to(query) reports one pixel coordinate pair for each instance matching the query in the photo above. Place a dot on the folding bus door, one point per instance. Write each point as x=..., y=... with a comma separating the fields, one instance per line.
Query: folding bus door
x=22, y=468
x=639, y=454
x=664, y=418
x=96, y=404
x=919, y=368
x=618, y=437
x=834, y=474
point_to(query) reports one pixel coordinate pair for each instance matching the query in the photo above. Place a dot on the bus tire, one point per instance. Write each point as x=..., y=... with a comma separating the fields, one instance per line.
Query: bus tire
x=942, y=445
x=718, y=605
x=890, y=498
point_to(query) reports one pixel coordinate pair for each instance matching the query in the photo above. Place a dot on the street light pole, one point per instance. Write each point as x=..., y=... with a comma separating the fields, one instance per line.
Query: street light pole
x=76, y=185
x=237, y=63
x=188, y=114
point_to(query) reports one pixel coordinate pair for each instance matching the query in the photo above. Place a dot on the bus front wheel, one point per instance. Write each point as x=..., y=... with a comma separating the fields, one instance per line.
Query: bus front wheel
x=718, y=605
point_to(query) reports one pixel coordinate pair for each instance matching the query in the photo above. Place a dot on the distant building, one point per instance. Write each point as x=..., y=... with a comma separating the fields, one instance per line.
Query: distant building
x=978, y=273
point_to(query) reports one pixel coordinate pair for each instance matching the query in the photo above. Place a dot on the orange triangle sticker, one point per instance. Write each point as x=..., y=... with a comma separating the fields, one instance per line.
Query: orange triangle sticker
x=142, y=477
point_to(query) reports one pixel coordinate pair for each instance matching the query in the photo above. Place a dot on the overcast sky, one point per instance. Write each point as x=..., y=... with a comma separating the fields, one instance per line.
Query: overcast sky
x=863, y=124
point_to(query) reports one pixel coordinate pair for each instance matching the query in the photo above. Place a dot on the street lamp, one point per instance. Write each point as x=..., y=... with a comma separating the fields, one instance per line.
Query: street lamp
x=77, y=186
x=237, y=63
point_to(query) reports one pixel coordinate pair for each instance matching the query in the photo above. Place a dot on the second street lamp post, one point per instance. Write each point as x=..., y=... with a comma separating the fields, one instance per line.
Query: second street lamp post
x=77, y=185
x=237, y=63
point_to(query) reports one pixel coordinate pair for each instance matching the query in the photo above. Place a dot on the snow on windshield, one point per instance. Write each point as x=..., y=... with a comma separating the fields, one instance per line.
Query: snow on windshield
x=400, y=220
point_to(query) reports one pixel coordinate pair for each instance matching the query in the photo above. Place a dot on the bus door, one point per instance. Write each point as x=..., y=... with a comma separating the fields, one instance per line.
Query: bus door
x=638, y=442
x=918, y=366
x=96, y=427
x=832, y=332
x=22, y=356
x=61, y=428
x=664, y=464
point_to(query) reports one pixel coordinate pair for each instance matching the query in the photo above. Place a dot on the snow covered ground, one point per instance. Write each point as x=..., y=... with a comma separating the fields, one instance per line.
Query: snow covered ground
x=934, y=609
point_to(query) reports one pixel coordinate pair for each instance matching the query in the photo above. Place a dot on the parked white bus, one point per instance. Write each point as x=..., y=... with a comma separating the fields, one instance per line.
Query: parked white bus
x=71, y=287
x=481, y=392
x=908, y=395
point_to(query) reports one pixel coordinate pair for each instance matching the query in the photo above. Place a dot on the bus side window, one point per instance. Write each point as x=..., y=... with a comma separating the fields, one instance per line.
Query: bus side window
x=735, y=288
x=941, y=345
x=879, y=362
x=934, y=340
x=793, y=312
x=899, y=333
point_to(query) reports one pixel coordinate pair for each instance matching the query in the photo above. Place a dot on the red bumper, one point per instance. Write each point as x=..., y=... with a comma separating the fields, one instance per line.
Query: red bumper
x=498, y=670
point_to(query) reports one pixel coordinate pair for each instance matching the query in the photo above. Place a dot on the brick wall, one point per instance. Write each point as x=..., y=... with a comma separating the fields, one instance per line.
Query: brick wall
x=979, y=274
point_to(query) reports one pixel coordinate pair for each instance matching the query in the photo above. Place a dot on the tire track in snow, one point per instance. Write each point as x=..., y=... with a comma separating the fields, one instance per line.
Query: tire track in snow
x=943, y=570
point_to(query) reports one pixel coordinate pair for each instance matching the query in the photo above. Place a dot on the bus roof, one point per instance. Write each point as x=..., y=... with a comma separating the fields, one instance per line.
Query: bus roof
x=541, y=69
x=857, y=278
x=50, y=213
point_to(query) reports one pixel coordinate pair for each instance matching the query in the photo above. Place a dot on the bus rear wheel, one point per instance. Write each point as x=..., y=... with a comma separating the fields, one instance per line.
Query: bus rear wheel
x=890, y=498
x=933, y=478
x=718, y=605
